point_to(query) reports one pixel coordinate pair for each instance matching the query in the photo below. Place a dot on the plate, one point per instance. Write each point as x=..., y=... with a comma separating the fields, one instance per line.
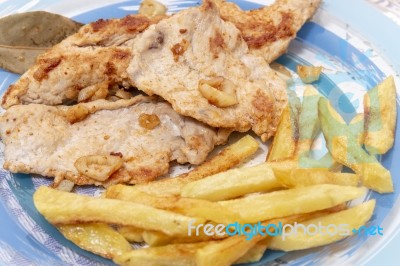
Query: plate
x=356, y=53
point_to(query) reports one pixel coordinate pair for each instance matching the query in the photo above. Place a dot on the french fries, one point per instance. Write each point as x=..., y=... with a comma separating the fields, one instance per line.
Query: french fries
x=230, y=250
x=232, y=183
x=155, y=239
x=175, y=254
x=352, y=218
x=190, y=207
x=130, y=233
x=62, y=208
x=271, y=205
x=345, y=149
x=284, y=144
x=325, y=161
x=357, y=128
x=98, y=238
x=255, y=253
x=380, y=117
x=309, y=125
x=225, y=252
x=301, y=177
x=228, y=158
x=283, y=168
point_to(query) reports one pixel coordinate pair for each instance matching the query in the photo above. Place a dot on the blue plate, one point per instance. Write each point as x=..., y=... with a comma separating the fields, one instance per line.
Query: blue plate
x=356, y=53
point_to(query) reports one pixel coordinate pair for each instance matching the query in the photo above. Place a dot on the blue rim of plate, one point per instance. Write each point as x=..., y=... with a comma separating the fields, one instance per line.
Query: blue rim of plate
x=27, y=248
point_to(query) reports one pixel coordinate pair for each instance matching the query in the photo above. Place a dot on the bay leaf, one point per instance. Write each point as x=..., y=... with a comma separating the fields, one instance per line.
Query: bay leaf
x=24, y=36
x=18, y=59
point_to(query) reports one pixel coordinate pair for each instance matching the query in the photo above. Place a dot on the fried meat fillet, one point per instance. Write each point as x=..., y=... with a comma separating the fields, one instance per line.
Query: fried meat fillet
x=42, y=140
x=269, y=30
x=97, y=54
x=100, y=53
x=173, y=56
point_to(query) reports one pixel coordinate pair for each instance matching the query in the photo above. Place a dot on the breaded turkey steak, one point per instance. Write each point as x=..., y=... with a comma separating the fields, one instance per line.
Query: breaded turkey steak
x=102, y=143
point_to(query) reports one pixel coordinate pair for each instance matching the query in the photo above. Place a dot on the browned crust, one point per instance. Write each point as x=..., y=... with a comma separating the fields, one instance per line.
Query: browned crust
x=267, y=32
x=217, y=44
x=135, y=23
x=130, y=23
x=179, y=49
x=11, y=96
x=45, y=66
x=263, y=104
x=268, y=26
x=121, y=55
x=99, y=24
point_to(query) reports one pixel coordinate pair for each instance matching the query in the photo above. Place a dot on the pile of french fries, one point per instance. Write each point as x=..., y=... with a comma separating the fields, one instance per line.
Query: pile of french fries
x=289, y=187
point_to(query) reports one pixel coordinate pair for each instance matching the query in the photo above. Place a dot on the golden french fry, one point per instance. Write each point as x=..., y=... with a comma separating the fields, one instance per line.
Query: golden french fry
x=98, y=238
x=325, y=161
x=309, y=74
x=61, y=208
x=210, y=211
x=262, y=207
x=155, y=238
x=230, y=250
x=346, y=221
x=232, y=183
x=283, y=168
x=225, y=252
x=302, y=177
x=345, y=149
x=375, y=177
x=380, y=115
x=131, y=233
x=175, y=254
x=228, y=158
x=309, y=125
x=357, y=128
x=284, y=144
x=257, y=251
